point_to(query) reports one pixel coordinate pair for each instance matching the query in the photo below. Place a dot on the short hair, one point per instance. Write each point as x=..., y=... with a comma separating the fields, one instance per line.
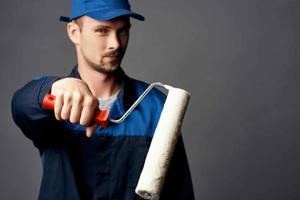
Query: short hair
x=79, y=23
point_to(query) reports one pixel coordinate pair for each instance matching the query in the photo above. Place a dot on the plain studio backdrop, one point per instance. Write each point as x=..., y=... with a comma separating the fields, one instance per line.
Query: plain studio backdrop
x=238, y=58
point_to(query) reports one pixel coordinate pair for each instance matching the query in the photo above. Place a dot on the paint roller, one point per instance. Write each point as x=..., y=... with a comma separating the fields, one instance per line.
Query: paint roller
x=163, y=142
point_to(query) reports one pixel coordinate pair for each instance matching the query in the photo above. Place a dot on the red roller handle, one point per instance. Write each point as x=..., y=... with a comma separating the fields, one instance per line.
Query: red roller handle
x=100, y=116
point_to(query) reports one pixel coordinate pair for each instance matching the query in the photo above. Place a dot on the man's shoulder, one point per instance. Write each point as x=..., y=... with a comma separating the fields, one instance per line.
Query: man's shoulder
x=155, y=95
x=150, y=108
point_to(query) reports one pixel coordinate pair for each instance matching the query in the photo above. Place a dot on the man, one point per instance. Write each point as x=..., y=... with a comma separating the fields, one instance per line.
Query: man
x=80, y=159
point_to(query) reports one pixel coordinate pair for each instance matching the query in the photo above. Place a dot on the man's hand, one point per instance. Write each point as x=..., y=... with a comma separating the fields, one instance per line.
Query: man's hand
x=75, y=102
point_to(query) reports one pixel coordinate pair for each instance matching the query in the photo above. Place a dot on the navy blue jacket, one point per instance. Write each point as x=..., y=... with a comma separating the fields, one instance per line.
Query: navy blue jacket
x=107, y=165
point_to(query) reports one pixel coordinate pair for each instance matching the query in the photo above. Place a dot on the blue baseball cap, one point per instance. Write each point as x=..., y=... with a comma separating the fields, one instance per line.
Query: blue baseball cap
x=101, y=10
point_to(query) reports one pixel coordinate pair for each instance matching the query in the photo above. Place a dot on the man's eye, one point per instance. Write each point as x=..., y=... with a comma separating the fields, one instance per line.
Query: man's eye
x=102, y=30
x=124, y=32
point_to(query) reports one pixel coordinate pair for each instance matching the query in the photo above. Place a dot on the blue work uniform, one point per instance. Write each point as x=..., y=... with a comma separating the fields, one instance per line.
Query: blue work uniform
x=106, y=166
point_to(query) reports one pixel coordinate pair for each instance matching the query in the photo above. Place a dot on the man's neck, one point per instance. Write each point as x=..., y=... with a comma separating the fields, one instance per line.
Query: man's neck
x=101, y=85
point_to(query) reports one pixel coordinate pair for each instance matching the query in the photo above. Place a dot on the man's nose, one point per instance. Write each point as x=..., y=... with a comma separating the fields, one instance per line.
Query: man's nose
x=114, y=42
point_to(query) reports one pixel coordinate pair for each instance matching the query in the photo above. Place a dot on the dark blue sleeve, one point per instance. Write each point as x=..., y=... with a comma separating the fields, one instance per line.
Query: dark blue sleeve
x=178, y=184
x=35, y=122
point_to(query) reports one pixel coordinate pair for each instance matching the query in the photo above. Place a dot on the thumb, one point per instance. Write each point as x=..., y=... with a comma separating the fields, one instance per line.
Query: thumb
x=90, y=130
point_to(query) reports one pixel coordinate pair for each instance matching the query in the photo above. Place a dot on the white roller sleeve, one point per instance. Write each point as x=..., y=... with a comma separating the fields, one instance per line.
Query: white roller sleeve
x=163, y=144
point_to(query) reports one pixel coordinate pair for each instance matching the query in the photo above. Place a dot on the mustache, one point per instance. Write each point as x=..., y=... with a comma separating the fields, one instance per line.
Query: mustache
x=114, y=53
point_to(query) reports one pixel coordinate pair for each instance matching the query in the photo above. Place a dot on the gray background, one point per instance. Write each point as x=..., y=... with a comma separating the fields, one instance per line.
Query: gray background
x=238, y=58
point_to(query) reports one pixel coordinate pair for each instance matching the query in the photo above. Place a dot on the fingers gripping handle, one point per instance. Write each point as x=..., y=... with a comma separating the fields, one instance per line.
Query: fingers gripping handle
x=100, y=116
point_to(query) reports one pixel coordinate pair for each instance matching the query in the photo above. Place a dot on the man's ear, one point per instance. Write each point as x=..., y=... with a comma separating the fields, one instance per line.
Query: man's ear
x=73, y=32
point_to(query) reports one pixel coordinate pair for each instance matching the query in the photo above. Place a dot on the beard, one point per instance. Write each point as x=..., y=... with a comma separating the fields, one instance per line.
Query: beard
x=108, y=67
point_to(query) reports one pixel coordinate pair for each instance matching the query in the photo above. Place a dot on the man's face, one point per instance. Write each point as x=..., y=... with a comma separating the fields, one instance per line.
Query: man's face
x=102, y=44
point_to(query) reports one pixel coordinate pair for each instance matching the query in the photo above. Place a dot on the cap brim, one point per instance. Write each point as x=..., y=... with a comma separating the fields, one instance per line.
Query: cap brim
x=108, y=15
x=64, y=19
